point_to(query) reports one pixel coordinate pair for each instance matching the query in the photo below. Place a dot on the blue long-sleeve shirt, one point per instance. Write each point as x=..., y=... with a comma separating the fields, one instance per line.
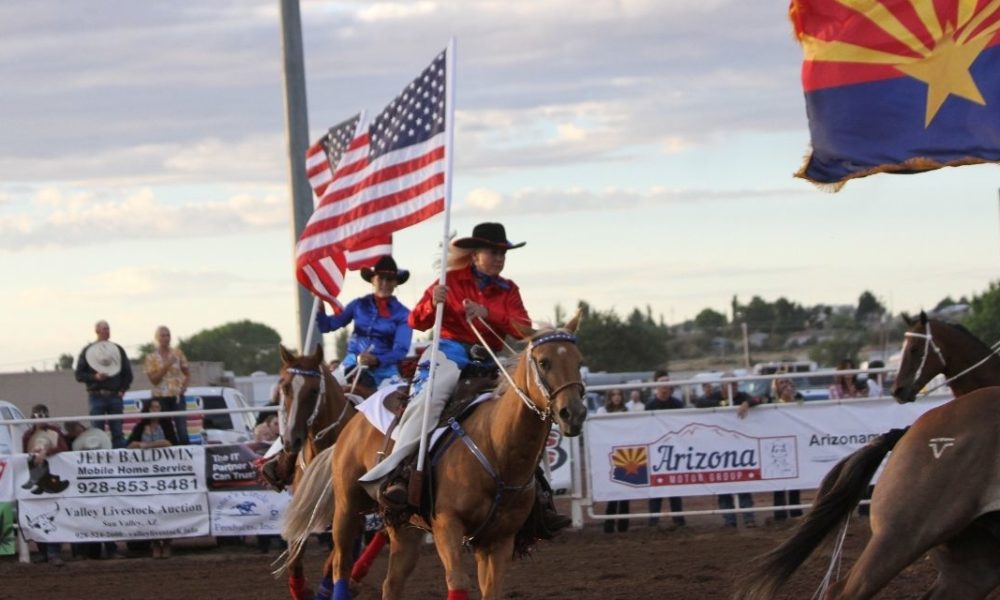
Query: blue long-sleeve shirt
x=389, y=337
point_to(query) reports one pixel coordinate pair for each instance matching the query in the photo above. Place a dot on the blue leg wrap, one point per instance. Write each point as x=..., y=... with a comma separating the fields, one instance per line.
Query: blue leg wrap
x=341, y=591
x=325, y=591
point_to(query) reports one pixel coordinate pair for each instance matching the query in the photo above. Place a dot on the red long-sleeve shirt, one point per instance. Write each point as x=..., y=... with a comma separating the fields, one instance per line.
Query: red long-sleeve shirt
x=503, y=305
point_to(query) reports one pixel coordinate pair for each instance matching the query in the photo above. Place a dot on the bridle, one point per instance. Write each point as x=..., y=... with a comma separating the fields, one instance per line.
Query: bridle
x=928, y=346
x=543, y=386
x=282, y=413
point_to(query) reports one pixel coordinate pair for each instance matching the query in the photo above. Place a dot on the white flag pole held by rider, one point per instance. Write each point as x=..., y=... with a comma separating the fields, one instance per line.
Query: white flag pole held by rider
x=416, y=481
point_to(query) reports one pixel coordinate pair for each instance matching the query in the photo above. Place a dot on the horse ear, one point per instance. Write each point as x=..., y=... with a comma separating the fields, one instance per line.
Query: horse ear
x=286, y=355
x=574, y=322
x=923, y=318
x=525, y=331
x=318, y=354
x=907, y=319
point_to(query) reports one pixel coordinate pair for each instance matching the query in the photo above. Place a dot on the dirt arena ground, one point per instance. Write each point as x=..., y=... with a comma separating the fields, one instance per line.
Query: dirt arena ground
x=697, y=561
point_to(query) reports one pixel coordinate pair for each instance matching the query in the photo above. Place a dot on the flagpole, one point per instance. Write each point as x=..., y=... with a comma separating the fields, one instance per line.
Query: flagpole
x=308, y=347
x=416, y=481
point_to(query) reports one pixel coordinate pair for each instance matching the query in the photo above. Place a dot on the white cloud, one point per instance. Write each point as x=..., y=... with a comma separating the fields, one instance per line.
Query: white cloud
x=385, y=11
x=83, y=218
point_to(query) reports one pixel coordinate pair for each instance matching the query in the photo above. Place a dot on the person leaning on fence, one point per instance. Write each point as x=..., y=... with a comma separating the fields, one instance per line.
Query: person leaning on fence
x=473, y=292
x=103, y=367
x=727, y=394
x=845, y=385
x=635, y=402
x=614, y=402
x=168, y=372
x=41, y=441
x=664, y=399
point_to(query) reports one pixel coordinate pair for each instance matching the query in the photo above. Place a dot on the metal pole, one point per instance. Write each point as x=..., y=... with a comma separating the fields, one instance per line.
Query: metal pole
x=297, y=125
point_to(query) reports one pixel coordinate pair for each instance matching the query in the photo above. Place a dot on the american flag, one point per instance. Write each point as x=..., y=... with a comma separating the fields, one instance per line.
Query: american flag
x=372, y=178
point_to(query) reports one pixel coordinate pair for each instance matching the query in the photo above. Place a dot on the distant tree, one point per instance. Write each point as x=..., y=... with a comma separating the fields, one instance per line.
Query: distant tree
x=610, y=344
x=710, y=321
x=843, y=345
x=65, y=362
x=789, y=316
x=759, y=314
x=244, y=347
x=984, y=319
x=945, y=303
x=144, y=351
x=560, y=316
x=869, y=308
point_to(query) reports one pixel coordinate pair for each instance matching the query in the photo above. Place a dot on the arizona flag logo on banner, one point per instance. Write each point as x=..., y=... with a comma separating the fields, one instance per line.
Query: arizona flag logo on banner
x=898, y=85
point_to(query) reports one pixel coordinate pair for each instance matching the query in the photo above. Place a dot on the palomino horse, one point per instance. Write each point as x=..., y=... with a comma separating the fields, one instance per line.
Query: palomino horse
x=939, y=489
x=314, y=412
x=483, y=489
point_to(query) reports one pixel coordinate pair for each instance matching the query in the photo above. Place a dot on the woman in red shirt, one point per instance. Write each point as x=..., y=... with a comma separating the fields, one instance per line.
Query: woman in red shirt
x=473, y=289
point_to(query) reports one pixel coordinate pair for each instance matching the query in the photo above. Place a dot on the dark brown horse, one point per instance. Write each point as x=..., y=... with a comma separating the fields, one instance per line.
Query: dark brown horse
x=939, y=490
x=487, y=498
x=314, y=412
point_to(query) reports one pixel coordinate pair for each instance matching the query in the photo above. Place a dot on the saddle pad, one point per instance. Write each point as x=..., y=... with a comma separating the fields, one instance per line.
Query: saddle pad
x=373, y=408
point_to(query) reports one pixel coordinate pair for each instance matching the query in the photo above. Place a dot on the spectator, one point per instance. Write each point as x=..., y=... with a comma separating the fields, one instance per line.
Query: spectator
x=152, y=432
x=635, y=402
x=614, y=403
x=168, y=372
x=267, y=428
x=382, y=335
x=874, y=380
x=41, y=441
x=785, y=392
x=728, y=395
x=664, y=399
x=104, y=368
x=78, y=440
x=844, y=385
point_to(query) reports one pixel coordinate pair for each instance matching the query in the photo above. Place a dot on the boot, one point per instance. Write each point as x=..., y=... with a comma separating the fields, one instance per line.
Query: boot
x=395, y=492
x=551, y=522
x=279, y=471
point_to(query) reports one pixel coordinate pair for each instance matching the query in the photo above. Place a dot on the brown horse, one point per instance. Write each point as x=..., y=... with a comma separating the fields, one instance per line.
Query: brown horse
x=948, y=454
x=481, y=497
x=315, y=411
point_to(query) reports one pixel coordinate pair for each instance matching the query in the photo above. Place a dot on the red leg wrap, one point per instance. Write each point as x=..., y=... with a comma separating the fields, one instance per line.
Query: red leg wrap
x=367, y=557
x=297, y=588
x=458, y=595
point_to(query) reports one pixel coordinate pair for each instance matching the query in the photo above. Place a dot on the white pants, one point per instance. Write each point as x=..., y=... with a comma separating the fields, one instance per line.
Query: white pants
x=407, y=432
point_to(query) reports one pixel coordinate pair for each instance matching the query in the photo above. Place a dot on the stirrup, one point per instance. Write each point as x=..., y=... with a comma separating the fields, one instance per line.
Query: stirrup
x=395, y=495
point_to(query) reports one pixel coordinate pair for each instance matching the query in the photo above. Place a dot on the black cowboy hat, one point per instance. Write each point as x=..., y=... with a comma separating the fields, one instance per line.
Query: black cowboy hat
x=385, y=266
x=486, y=235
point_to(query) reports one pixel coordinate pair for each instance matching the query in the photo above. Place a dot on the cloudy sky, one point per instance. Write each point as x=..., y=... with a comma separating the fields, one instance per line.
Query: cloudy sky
x=643, y=148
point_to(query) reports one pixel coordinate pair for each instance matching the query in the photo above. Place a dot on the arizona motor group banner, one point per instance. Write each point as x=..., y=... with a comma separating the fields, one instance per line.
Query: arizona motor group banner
x=102, y=495
x=696, y=452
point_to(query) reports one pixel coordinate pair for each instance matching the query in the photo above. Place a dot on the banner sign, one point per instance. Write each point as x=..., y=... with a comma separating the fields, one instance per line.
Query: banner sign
x=7, y=536
x=121, y=472
x=7, y=478
x=82, y=519
x=231, y=467
x=247, y=512
x=561, y=472
x=696, y=452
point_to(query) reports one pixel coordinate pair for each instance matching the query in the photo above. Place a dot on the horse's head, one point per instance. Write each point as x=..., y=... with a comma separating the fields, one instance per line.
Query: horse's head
x=922, y=358
x=301, y=381
x=553, y=377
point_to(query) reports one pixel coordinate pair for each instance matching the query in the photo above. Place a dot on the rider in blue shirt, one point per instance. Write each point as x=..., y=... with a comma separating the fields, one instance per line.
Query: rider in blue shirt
x=381, y=336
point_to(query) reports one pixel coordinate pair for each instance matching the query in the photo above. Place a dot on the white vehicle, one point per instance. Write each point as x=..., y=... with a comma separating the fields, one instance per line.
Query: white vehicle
x=10, y=435
x=232, y=428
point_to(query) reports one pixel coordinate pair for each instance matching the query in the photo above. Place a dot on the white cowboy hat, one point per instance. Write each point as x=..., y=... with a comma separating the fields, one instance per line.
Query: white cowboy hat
x=104, y=357
x=42, y=439
x=92, y=439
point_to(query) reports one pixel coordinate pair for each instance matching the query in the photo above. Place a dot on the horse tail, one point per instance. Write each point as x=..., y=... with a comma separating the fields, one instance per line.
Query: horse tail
x=311, y=507
x=841, y=490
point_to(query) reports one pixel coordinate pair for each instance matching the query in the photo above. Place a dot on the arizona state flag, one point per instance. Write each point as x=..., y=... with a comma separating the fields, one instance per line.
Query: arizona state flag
x=898, y=85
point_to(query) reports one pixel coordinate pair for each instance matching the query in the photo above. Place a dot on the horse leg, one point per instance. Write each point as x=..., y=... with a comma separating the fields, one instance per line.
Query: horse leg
x=364, y=562
x=297, y=580
x=325, y=590
x=491, y=566
x=347, y=525
x=404, y=550
x=968, y=565
x=448, y=533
